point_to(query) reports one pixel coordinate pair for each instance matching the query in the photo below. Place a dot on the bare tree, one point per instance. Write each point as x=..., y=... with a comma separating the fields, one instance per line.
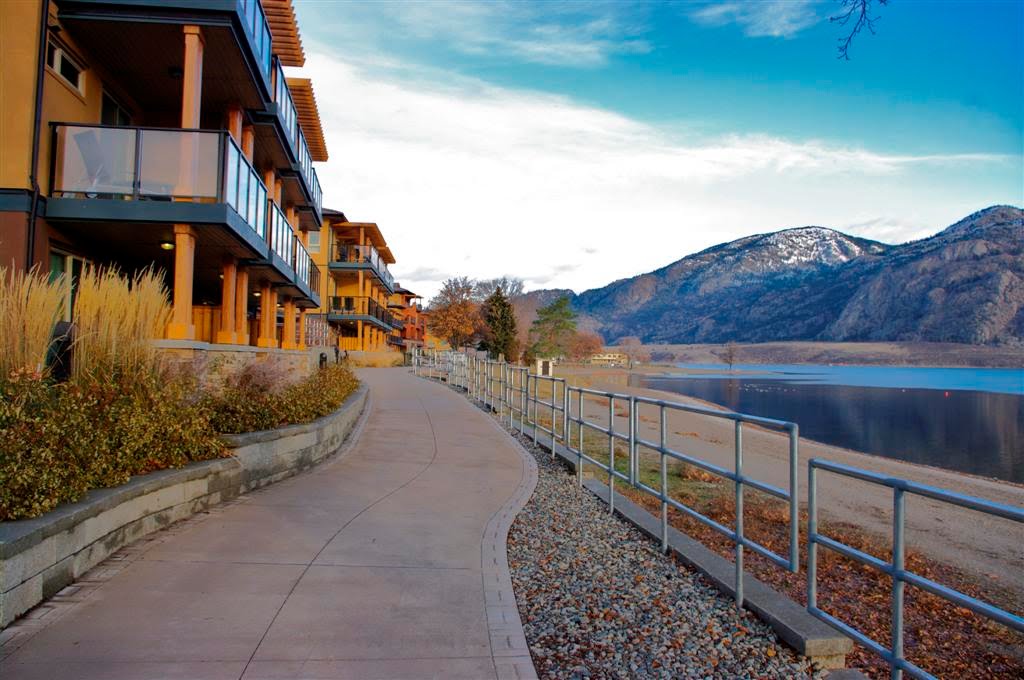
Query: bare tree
x=857, y=13
x=510, y=286
x=728, y=354
x=633, y=348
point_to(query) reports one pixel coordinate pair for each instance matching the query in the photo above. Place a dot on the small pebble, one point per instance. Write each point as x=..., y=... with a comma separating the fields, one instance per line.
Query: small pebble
x=599, y=600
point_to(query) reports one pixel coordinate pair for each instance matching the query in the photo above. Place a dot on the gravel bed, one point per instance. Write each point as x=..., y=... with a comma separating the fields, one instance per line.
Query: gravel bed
x=599, y=600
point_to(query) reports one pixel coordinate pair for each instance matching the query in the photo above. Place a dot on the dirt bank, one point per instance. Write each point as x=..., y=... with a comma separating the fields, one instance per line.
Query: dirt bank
x=989, y=548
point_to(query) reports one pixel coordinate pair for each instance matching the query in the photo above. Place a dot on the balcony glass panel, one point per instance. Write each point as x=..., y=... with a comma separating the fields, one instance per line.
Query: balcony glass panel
x=359, y=306
x=281, y=234
x=255, y=22
x=94, y=162
x=176, y=163
x=302, y=262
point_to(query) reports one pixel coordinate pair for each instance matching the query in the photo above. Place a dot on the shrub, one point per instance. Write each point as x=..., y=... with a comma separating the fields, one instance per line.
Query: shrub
x=253, y=400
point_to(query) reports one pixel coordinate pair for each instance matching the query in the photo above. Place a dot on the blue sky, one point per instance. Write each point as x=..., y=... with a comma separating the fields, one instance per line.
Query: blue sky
x=540, y=138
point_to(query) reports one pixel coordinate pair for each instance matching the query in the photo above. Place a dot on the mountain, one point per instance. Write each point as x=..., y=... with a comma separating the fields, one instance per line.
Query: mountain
x=965, y=284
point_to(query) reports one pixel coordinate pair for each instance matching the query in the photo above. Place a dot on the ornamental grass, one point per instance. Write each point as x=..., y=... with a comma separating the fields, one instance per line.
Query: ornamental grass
x=124, y=411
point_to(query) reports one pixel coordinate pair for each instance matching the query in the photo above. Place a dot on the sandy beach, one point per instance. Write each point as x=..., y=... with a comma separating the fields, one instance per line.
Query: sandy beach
x=990, y=549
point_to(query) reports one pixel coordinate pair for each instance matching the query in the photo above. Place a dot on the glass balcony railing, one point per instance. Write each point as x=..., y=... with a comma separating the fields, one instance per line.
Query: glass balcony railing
x=259, y=32
x=343, y=252
x=360, y=306
x=281, y=235
x=157, y=164
x=290, y=120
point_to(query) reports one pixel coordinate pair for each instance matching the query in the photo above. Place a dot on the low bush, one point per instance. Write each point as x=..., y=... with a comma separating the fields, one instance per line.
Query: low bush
x=124, y=412
x=255, y=398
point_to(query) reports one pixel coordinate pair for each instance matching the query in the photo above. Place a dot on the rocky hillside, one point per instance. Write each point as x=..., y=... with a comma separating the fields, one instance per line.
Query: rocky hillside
x=965, y=284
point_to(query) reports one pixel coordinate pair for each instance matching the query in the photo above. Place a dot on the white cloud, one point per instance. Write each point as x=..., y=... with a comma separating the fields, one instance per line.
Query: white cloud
x=574, y=34
x=763, y=18
x=470, y=179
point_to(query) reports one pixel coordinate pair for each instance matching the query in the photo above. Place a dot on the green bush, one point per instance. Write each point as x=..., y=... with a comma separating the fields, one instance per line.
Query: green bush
x=58, y=440
x=255, y=399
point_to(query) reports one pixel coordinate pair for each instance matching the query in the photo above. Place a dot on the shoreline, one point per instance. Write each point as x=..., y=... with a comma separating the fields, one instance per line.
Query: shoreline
x=990, y=549
x=890, y=354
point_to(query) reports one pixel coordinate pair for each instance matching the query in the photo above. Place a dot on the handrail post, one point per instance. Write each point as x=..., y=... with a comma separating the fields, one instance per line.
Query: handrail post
x=565, y=415
x=739, y=514
x=611, y=455
x=579, y=432
x=794, y=499
x=554, y=384
x=812, y=534
x=632, y=441
x=664, y=480
x=898, y=510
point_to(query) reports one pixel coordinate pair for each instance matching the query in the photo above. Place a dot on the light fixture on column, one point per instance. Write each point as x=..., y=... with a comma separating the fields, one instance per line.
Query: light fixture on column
x=257, y=294
x=166, y=245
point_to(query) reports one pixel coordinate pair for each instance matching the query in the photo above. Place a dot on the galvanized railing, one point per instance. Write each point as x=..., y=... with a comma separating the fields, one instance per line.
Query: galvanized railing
x=515, y=395
x=894, y=654
x=547, y=407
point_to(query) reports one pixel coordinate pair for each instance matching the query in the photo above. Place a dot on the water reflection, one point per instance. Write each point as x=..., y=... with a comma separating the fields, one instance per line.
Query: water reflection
x=970, y=431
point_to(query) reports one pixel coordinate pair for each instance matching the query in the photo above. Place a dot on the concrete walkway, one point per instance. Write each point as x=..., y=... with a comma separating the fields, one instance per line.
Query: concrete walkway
x=387, y=562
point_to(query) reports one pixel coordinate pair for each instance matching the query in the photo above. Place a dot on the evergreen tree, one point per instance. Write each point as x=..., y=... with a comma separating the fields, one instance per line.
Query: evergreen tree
x=501, y=326
x=553, y=330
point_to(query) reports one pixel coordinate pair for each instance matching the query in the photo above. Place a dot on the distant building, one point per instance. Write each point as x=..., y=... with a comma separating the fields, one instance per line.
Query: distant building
x=608, y=359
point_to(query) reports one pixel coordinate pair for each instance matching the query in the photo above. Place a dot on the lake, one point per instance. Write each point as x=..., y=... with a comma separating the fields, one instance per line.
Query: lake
x=965, y=419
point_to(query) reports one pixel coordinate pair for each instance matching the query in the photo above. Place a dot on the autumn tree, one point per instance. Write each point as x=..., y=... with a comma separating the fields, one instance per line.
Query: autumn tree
x=584, y=345
x=453, y=312
x=500, y=321
x=633, y=347
x=553, y=330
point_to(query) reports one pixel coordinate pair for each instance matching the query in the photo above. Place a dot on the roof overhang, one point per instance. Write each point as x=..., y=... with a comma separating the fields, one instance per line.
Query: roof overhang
x=373, y=235
x=284, y=32
x=309, y=117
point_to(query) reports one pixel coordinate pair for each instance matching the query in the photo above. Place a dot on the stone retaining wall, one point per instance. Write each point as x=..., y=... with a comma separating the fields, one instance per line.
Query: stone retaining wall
x=40, y=556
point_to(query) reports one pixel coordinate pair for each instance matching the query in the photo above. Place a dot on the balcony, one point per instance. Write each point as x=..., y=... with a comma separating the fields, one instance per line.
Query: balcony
x=360, y=309
x=347, y=257
x=104, y=176
x=284, y=113
x=140, y=40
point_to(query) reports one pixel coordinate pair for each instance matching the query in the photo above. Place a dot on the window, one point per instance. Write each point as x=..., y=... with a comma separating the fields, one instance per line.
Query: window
x=113, y=113
x=314, y=242
x=71, y=267
x=65, y=66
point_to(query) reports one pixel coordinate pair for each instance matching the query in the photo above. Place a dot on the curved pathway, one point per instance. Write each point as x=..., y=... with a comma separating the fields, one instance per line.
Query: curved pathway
x=387, y=562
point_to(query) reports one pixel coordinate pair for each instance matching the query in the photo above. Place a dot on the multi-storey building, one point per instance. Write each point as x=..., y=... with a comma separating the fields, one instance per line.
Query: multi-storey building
x=357, y=285
x=411, y=323
x=164, y=133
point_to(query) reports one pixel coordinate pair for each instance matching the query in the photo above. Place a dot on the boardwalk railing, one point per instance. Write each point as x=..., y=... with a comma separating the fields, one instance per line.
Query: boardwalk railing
x=893, y=654
x=549, y=408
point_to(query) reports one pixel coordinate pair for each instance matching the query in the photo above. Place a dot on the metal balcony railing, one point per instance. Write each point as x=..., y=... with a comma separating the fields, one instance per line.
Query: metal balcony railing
x=168, y=164
x=290, y=120
x=259, y=32
x=343, y=252
x=360, y=306
x=156, y=164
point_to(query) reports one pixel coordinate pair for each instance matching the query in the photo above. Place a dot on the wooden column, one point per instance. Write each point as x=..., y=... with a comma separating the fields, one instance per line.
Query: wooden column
x=288, y=332
x=302, y=329
x=242, y=306
x=226, y=334
x=181, y=327
x=268, y=317
x=192, y=77
x=248, y=141
x=234, y=123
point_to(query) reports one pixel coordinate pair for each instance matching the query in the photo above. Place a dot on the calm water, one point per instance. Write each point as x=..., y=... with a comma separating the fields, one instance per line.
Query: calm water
x=965, y=419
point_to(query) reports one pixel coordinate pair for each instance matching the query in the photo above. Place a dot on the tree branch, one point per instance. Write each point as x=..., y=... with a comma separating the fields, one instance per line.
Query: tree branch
x=858, y=12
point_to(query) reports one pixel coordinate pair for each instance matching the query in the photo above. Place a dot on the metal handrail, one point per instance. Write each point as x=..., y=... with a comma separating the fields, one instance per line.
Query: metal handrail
x=476, y=376
x=893, y=654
